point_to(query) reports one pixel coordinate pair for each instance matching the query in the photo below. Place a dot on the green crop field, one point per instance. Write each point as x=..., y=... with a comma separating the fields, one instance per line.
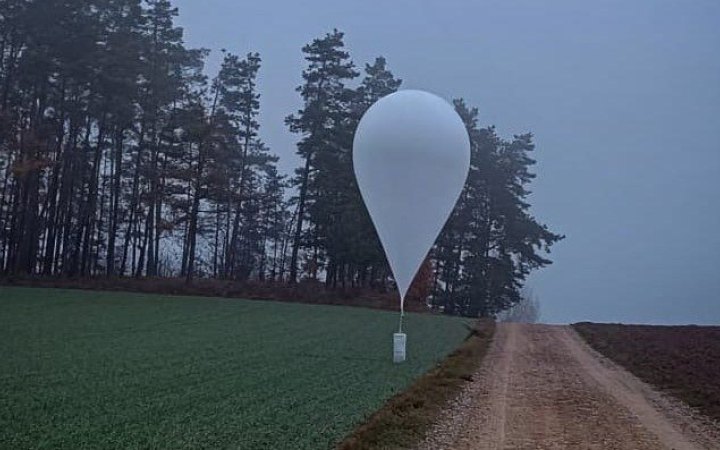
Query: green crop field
x=82, y=370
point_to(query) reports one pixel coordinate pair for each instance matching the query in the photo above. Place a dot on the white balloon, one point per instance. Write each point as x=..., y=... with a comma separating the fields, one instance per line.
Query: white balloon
x=411, y=157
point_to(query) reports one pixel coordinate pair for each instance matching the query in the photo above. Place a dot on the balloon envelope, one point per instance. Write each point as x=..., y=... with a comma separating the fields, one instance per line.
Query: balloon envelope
x=411, y=157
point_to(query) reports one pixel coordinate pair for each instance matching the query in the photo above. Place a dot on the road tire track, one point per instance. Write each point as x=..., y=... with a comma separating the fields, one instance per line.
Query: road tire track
x=542, y=387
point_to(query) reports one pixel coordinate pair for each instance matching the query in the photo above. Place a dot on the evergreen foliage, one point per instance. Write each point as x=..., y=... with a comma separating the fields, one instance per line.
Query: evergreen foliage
x=120, y=156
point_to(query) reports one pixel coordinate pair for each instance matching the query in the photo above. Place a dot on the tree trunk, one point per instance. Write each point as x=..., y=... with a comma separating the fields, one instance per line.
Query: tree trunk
x=299, y=224
x=114, y=202
x=134, y=203
x=89, y=218
x=194, y=213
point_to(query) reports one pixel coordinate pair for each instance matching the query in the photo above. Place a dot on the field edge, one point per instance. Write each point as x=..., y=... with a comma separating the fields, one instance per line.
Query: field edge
x=405, y=418
x=702, y=400
x=304, y=292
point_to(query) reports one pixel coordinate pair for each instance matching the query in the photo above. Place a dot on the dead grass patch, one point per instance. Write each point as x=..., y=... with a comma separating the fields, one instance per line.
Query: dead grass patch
x=405, y=419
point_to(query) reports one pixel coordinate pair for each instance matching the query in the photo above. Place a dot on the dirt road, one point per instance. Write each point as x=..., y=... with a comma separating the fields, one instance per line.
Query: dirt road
x=542, y=387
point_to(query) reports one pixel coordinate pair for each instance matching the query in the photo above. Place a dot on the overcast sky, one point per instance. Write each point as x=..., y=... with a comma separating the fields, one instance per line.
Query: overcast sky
x=623, y=98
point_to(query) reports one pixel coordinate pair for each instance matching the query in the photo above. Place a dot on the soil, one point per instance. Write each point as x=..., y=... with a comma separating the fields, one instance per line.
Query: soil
x=542, y=387
x=683, y=361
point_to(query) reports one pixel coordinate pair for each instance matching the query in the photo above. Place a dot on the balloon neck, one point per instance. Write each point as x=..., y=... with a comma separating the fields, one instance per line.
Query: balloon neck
x=402, y=310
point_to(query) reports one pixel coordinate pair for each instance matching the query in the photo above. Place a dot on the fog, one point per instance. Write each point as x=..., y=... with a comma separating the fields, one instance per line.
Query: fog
x=623, y=99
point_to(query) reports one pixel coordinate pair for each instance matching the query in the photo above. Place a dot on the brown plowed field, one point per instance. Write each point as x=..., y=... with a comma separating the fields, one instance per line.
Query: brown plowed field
x=683, y=361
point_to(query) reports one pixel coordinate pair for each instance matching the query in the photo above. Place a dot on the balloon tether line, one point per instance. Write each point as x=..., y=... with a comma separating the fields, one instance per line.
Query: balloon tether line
x=402, y=314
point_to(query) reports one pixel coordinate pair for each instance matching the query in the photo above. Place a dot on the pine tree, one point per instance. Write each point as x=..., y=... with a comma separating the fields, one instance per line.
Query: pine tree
x=116, y=153
x=491, y=242
x=325, y=97
x=353, y=250
x=240, y=96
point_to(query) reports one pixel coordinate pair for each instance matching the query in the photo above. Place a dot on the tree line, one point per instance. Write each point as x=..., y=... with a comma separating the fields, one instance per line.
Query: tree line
x=121, y=156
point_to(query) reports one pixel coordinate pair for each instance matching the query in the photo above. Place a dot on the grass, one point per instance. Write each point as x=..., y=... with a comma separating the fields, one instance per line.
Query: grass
x=305, y=291
x=404, y=420
x=84, y=369
x=683, y=361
